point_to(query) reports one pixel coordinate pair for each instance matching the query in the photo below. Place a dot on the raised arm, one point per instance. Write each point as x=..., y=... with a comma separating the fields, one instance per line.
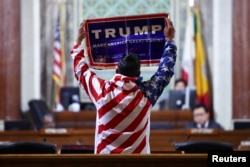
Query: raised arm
x=154, y=87
x=86, y=78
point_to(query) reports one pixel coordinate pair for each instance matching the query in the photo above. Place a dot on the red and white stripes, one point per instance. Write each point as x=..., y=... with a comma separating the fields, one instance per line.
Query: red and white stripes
x=123, y=112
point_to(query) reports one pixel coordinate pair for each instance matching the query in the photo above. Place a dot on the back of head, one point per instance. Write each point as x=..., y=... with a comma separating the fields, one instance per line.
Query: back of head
x=129, y=65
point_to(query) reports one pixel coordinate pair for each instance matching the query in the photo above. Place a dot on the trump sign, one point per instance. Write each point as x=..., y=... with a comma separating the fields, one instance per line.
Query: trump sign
x=108, y=39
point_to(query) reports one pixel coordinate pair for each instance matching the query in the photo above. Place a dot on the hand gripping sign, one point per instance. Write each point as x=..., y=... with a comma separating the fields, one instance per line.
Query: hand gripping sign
x=108, y=39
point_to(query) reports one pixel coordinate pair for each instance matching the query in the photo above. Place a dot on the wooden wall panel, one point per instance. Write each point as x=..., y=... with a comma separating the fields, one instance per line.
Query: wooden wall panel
x=10, y=59
x=241, y=59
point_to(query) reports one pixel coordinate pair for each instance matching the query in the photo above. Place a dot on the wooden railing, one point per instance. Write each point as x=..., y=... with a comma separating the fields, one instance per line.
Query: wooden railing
x=86, y=119
x=160, y=140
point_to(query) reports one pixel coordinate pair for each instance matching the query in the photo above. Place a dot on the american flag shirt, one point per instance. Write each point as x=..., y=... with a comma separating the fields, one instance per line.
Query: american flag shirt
x=123, y=103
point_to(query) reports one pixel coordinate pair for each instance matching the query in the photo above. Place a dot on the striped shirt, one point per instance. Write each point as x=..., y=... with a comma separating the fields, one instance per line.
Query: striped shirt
x=123, y=103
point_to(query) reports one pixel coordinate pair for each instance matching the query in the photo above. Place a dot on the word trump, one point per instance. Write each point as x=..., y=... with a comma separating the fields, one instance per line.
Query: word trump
x=123, y=32
x=112, y=37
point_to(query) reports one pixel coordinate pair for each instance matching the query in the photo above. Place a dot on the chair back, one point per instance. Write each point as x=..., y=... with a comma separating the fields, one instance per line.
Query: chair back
x=17, y=125
x=203, y=146
x=27, y=147
x=77, y=149
x=38, y=109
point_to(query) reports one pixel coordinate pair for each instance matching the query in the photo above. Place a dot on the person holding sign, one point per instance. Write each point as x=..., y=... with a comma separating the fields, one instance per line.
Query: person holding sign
x=124, y=103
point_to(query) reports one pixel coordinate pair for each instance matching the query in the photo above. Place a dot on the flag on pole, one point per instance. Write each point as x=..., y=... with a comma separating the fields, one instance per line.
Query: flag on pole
x=59, y=57
x=188, y=56
x=201, y=76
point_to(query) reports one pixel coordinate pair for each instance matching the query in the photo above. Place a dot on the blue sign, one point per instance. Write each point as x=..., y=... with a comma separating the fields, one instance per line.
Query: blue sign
x=108, y=39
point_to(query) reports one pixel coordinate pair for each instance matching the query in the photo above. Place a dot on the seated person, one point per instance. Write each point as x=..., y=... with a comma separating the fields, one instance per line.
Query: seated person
x=41, y=114
x=201, y=119
x=179, y=84
x=48, y=120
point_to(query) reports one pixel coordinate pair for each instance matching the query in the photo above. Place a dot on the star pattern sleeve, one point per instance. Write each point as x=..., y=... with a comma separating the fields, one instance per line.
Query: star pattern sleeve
x=154, y=87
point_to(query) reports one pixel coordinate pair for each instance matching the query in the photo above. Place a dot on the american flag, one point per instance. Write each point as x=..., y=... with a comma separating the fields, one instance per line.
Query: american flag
x=58, y=64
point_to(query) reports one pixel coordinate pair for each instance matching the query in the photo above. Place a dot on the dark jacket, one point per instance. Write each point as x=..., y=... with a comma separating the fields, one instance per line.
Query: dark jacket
x=211, y=125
